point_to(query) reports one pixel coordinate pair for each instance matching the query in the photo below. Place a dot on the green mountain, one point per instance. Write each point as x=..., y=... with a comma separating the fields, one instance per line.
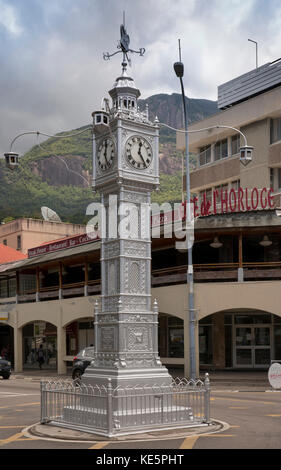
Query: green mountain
x=50, y=174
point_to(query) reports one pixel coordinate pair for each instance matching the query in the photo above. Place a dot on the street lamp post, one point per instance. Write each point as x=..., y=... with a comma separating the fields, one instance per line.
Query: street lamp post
x=255, y=42
x=179, y=70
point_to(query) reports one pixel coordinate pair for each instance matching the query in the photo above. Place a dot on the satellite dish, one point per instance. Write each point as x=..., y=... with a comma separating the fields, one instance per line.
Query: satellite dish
x=49, y=215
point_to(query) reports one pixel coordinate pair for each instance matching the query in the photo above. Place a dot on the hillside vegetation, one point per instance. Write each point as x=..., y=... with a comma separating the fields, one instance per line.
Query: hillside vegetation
x=44, y=180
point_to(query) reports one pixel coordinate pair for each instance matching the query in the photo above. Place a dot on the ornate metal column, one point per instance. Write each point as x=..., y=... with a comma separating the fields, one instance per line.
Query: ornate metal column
x=125, y=163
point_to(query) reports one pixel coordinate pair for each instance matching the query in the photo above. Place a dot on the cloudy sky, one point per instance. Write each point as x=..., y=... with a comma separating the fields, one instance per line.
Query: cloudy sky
x=52, y=74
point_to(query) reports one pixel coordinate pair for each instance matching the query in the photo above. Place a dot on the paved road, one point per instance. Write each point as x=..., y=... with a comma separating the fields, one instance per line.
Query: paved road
x=254, y=420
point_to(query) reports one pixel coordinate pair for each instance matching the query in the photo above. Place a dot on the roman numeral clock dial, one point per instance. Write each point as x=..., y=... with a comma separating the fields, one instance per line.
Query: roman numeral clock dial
x=105, y=155
x=138, y=152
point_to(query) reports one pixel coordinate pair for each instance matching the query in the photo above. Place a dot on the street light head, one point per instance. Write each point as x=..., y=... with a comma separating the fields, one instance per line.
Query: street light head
x=246, y=154
x=12, y=160
x=179, y=69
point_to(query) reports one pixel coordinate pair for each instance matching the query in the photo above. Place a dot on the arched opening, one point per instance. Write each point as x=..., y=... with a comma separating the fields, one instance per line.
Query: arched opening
x=37, y=336
x=243, y=339
x=79, y=335
x=7, y=342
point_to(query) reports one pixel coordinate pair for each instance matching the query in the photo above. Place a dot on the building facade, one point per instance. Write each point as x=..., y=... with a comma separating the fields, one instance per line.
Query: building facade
x=258, y=117
x=237, y=297
x=22, y=234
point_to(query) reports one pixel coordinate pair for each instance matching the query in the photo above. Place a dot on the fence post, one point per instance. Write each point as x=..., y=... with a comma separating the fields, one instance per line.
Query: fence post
x=207, y=398
x=43, y=404
x=109, y=408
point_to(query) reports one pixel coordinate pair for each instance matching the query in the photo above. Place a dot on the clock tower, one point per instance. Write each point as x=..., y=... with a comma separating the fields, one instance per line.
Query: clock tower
x=125, y=172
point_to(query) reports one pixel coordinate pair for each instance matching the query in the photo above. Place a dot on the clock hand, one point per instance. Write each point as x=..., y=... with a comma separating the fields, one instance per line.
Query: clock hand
x=105, y=151
x=139, y=152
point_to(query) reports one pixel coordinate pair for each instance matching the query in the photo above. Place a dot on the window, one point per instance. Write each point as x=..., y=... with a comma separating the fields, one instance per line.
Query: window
x=235, y=144
x=205, y=155
x=3, y=288
x=275, y=130
x=206, y=341
x=27, y=283
x=275, y=178
x=175, y=337
x=235, y=185
x=221, y=149
x=7, y=288
x=12, y=287
x=279, y=177
x=207, y=193
x=5, y=242
x=271, y=178
x=18, y=242
x=223, y=188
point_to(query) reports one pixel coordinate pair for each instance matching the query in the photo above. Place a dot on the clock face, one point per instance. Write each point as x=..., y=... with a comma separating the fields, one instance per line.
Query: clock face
x=105, y=155
x=138, y=152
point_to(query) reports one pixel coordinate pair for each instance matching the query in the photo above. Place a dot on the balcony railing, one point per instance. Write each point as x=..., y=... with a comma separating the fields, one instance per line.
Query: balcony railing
x=207, y=272
x=76, y=289
x=211, y=272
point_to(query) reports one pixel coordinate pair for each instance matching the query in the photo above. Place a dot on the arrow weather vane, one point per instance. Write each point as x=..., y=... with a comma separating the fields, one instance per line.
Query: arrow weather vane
x=124, y=46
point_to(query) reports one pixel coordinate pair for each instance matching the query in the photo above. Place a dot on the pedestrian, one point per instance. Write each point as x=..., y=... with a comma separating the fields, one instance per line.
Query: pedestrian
x=4, y=352
x=40, y=356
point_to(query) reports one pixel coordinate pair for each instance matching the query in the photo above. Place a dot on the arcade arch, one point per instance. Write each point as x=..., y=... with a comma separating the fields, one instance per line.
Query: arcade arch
x=241, y=338
x=36, y=334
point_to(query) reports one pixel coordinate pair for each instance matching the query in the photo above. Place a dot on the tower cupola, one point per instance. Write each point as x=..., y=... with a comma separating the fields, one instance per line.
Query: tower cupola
x=124, y=93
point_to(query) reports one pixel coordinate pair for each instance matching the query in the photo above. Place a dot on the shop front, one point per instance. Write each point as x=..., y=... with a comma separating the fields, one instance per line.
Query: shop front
x=226, y=340
x=247, y=339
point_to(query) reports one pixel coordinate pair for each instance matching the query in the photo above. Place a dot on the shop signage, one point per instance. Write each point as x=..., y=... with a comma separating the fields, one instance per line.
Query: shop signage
x=219, y=202
x=240, y=200
x=39, y=328
x=274, y=375
x=4, y=316
x=60, y=245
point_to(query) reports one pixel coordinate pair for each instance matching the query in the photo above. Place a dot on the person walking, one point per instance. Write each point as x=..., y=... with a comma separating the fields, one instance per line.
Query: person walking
x=40, y=356
x=4, y=352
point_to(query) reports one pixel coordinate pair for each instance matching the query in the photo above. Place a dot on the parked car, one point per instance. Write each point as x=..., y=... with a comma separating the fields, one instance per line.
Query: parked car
x=5, y=368
x=81, y=361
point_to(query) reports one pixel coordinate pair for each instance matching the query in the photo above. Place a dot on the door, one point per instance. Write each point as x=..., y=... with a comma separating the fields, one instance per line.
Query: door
x=252, y=346
x=261, y=335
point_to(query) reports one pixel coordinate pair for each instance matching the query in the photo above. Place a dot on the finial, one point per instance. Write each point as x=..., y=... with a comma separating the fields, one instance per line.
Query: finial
x=146, y=110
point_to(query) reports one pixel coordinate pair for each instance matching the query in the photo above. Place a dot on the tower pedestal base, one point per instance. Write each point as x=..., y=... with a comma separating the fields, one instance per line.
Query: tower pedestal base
x=158, y=376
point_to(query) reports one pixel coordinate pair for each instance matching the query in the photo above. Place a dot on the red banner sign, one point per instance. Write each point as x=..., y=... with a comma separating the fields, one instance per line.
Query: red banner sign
x=60, y=245
x=240, y=200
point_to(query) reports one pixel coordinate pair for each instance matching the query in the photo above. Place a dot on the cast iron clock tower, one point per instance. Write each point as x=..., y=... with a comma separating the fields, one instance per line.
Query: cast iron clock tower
x=125, y=172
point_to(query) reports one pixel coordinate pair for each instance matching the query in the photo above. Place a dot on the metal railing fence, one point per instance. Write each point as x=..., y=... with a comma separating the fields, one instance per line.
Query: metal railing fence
x=125, y=410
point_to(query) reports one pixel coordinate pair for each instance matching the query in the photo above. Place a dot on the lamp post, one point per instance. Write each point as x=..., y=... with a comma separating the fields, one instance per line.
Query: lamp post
x=179, y=70
x=255, y=42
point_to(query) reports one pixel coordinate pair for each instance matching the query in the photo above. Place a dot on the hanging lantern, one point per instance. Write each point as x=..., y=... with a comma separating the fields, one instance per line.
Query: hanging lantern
x=216, y=243
x=12, y=160
x=246, y=154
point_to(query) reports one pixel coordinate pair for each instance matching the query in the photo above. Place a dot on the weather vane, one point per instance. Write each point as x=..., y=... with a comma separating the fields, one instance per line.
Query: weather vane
x=123, y=45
